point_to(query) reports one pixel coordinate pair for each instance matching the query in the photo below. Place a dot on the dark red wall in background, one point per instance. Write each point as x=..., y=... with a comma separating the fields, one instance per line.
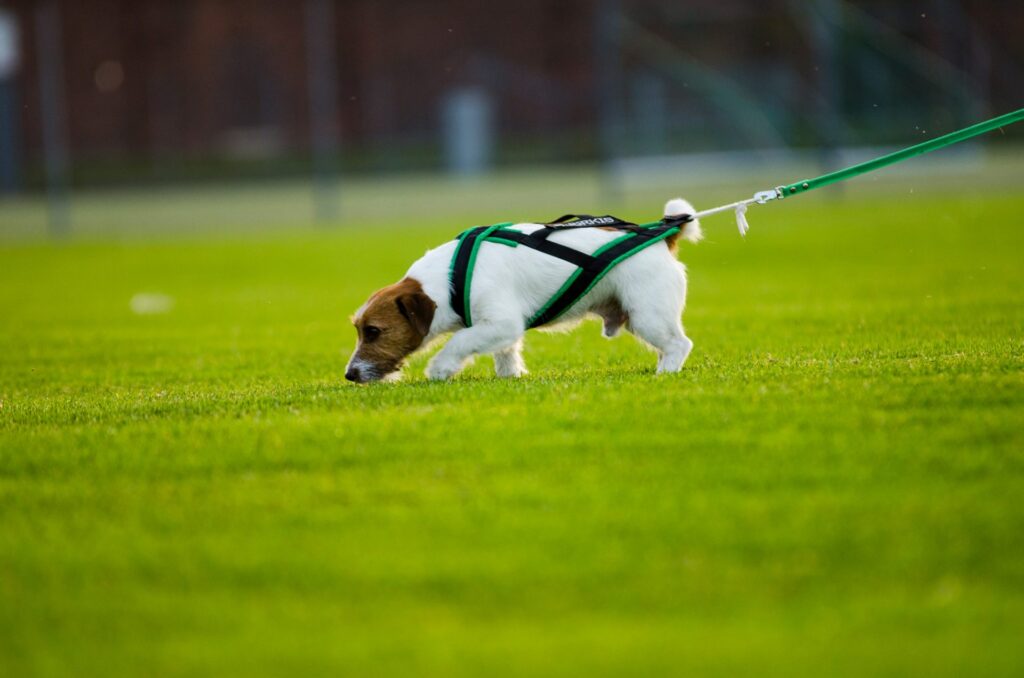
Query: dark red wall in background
x=199, y=72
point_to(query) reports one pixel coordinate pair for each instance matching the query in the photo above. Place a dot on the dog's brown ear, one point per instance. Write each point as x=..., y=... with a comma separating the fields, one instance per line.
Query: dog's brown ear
x=418, y=309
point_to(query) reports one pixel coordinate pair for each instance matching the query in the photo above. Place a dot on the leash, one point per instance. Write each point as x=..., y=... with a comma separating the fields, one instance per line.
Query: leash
x=799, y=187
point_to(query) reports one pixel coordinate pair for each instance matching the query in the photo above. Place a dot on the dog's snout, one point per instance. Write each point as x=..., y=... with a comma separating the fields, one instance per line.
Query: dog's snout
x=352, y=374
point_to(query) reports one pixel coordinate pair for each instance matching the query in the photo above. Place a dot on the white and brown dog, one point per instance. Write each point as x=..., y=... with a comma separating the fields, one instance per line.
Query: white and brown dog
x=644, y=293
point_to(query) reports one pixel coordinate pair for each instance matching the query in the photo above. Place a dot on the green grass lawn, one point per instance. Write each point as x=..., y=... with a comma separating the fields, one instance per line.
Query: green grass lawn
x=833, y=485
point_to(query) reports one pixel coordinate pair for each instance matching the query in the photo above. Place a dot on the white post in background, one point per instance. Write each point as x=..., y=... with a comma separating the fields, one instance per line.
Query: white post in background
x=10, y=61
x=322, y=78
x=467, y=119
x=51, y=95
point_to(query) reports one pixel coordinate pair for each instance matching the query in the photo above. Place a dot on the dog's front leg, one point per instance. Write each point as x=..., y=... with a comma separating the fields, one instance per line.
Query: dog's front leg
x=508, y=362
x=484, y=337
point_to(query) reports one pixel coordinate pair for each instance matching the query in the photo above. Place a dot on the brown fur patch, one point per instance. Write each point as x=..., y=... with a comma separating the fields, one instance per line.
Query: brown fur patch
x=392, y=324
x=613, y=315
x=671, y=242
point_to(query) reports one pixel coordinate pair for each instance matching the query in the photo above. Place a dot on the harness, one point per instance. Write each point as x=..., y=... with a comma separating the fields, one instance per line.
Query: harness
x=590, y=268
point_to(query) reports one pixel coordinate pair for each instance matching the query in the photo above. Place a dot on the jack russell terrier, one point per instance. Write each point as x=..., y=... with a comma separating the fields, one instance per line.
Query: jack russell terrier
x=493, y=283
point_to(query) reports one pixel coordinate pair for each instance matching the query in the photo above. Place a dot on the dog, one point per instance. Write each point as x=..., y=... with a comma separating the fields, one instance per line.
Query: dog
x=645, y=294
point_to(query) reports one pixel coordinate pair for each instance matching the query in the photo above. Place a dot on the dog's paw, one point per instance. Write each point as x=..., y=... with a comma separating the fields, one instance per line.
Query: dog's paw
x=509, y=365
x=512, y=373
x=439, y=370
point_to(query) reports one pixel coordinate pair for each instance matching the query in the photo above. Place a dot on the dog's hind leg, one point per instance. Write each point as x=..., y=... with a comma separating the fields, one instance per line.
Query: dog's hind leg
x=654, y=316
x=489, y=337
x=508, y=362
x=666, y=335
x=673, y=357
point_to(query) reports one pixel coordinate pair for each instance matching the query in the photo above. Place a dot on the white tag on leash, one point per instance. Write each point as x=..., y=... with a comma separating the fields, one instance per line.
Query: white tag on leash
x=741, y=219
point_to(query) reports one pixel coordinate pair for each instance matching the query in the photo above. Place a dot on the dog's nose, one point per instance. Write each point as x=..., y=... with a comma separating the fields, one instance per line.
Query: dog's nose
x=352, y=374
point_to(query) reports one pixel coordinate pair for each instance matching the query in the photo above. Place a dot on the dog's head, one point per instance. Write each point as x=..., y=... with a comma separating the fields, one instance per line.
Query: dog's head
x=391, y=324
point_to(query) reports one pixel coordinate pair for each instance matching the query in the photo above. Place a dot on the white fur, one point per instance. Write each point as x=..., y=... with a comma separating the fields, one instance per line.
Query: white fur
x=510, y=284
x=691, y=231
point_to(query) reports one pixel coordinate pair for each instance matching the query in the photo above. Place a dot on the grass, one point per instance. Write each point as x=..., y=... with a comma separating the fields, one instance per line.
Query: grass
x=832, y=485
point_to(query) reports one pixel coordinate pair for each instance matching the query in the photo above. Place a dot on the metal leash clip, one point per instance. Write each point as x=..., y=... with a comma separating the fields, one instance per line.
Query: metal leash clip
x=761, y=197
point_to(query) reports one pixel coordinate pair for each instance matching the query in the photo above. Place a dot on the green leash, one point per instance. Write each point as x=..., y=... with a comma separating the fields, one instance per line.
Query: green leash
x=798, y=187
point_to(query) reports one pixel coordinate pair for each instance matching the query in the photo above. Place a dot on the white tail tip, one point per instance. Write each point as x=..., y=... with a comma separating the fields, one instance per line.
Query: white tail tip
x=678, y=206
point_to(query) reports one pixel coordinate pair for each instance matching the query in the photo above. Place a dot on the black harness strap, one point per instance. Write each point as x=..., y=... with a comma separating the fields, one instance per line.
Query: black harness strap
x=568, y=221
x=589, y=221
x=460, y=270
x=573, y=256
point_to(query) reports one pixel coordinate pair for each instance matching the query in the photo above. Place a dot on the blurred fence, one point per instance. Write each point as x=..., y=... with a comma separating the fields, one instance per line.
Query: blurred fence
x=128, y=92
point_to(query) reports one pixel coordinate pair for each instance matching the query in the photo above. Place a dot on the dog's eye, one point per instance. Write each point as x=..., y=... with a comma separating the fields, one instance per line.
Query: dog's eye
x=370, y=333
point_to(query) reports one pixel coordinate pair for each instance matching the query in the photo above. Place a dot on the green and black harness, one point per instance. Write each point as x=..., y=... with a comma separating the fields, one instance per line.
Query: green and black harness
x=590, y=268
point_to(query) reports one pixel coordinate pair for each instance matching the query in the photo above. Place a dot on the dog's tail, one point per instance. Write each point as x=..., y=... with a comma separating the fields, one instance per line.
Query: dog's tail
x=691, y=229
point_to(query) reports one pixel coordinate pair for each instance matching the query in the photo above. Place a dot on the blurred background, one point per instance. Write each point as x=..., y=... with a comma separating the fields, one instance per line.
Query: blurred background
x=140, y=116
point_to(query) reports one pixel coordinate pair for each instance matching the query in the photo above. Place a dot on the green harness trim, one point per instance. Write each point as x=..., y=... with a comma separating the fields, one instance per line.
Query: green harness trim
x=474, y=246
x=590, y=268
x=534, y=320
